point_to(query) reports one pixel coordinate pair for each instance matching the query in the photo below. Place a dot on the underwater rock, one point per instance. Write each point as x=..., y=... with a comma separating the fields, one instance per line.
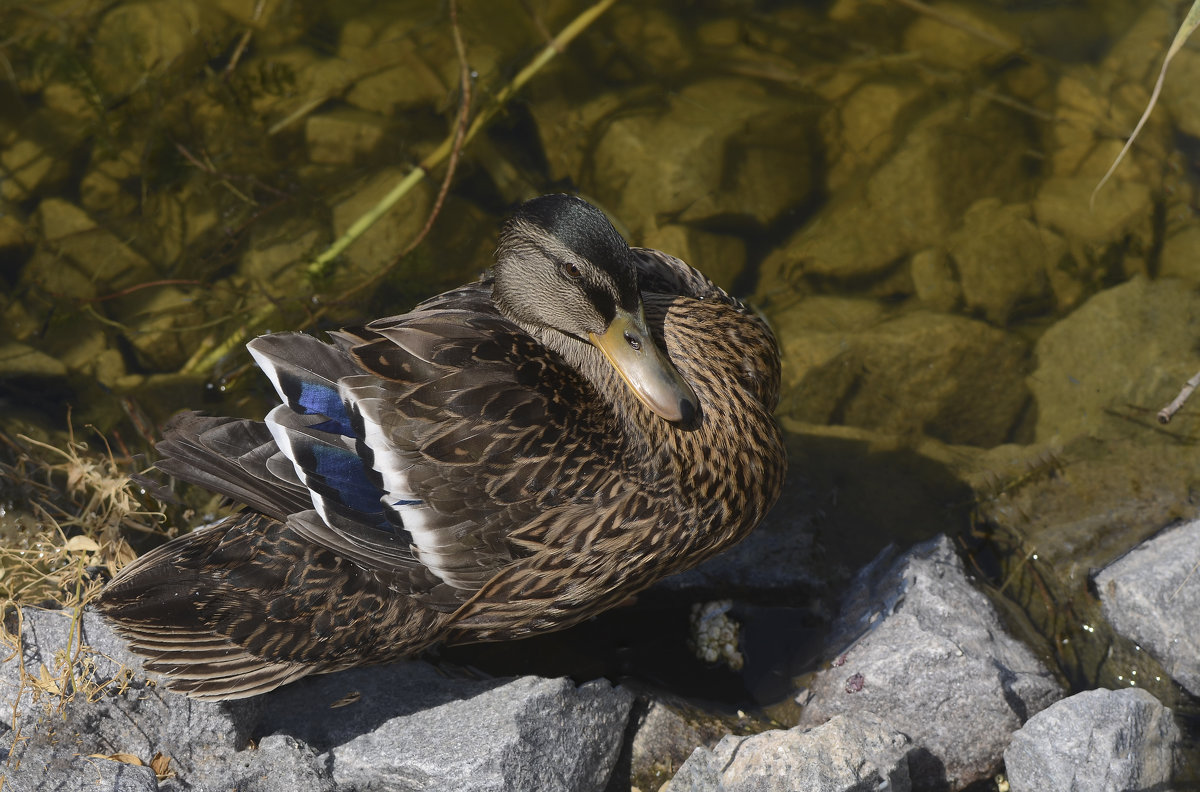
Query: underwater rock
x=847, y=753
x=165, y=334
x=78, y=243
x=342, y=136
x=1002, y=258
x=862, y=125
x=1179, y=95
x=949, y=377
x=1083, y=503
x=1095, y=741
x=383, y=241
x=1152, y=595
x=1133, y=344
x=719, y=256
x=1180, y=256
x=1121, y=209
x=935, y=282
x=271, y=259
x=916, y=644
x=651, y=38
x=21, y=360
x=26, y=168
x=913, y=200
x=146, y=40
x=666, y=162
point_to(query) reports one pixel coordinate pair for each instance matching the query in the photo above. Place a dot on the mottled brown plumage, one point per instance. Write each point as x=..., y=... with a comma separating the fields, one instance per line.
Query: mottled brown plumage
x=477, y=469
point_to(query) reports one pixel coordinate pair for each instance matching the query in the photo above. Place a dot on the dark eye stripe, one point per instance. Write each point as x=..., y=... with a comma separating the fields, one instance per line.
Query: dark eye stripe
x=606, y=306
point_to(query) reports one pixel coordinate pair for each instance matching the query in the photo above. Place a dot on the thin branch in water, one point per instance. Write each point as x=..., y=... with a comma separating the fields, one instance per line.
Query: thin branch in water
x=460, y=131
x=205, y=359
x=1167, y=413
x=148, y=285
x=245, y=39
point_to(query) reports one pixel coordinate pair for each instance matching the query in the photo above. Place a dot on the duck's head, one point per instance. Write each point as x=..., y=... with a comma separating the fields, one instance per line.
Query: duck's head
x=561, y=265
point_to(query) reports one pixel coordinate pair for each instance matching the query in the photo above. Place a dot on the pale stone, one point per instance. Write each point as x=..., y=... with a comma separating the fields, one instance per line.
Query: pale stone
x=25, y=167
x=342, y=136
x=1002, y=258
x=936, y=286
x=138, y=40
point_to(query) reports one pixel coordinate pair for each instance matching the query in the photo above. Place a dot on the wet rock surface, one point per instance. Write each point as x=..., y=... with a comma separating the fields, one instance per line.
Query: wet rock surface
x=1152, y=596
x=1095, y=740
x=919, y=646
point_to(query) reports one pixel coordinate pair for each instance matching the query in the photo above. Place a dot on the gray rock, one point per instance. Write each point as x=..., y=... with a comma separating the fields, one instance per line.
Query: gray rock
x=408, y=727
x=928, y=653
x=1095, y=740
x=64, y=771
x=859, y=752
x=279, y=764
x=1152, y=595
x=110, y=707
x=405, y=727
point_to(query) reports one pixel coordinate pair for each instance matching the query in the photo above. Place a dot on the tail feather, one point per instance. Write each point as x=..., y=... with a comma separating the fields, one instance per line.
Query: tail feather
x=248, y=604
x=208, y=451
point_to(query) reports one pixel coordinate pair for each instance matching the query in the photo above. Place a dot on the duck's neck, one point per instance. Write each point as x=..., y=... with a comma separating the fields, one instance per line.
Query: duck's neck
x=640, y=428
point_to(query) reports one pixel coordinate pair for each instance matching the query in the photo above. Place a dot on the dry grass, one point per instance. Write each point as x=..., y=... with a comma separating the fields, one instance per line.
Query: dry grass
x=63, y=522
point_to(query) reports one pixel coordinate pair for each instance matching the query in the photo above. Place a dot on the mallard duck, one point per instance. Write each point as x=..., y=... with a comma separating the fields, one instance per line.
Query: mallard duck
x=508, y=458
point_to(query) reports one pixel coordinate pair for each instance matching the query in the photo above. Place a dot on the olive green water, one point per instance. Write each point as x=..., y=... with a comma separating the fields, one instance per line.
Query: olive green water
x=969, y=347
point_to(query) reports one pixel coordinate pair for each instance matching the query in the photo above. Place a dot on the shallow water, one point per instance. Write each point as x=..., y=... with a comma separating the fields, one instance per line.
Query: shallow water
x=969, y=346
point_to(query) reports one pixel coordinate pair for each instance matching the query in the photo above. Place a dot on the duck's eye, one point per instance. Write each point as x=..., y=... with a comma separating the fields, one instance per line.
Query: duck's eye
x=571, y=270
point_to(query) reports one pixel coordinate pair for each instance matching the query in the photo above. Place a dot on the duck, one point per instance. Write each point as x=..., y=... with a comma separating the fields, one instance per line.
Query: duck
x=508, y=458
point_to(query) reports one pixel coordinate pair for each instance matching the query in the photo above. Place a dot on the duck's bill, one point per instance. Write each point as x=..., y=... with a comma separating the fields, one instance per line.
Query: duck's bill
x=631, y=350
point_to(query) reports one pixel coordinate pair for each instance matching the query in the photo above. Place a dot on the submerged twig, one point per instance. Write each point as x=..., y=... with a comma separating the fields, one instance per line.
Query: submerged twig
x=1167, y=413
x=243, y=41
x=959, y=24
x=556, y=46
x=460, y=131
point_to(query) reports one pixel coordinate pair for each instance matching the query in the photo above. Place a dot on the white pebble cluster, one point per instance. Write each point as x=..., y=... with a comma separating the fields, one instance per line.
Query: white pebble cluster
x=715, y=635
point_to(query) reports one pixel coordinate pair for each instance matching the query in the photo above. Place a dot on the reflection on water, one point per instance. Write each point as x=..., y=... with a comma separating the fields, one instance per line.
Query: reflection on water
x=968, y=346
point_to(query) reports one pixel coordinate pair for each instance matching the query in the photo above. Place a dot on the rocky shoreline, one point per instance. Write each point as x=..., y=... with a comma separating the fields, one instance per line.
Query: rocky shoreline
x=927, y=691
